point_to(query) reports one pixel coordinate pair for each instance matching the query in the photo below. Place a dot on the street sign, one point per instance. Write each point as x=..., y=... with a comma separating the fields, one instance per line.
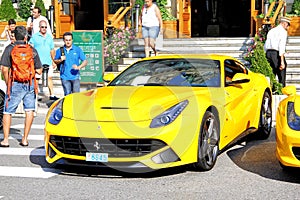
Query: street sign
x=91, y=42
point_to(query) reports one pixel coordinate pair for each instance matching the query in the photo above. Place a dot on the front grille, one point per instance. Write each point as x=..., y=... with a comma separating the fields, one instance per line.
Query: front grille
x=296, y=152
x=114, y=147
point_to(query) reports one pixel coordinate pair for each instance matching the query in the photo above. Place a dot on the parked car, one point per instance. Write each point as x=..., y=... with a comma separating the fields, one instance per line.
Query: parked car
x=161, y=112
x=288, y=129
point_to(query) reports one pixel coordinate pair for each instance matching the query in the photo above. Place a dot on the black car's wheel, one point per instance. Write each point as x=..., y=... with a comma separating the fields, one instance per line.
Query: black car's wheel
x=208, y=148
x=265, y=121
x=2, y=99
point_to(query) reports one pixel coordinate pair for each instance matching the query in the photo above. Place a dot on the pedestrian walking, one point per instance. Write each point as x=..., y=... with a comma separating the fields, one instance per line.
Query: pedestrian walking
x=71, y=60
x=44, y=44
x=151, y=23
x=33, y=22
x=19, y=64
x=8, y=32
x=275, y=48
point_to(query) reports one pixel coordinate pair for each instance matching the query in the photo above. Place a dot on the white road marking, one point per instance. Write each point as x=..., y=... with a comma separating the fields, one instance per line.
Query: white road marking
x=34, y=126
x=19, y=137
x=28, y=172
x=22, y=151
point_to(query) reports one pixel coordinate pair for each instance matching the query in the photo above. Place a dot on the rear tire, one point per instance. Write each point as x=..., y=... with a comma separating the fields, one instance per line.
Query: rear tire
x=208, y=147
x=265, y=121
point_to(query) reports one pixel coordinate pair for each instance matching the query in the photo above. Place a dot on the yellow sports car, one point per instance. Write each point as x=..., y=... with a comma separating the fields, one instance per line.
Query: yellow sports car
x=161, y=112
x=288, y=129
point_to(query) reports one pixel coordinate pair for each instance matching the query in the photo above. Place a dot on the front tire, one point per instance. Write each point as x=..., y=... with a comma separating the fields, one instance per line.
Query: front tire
x=265, y=121
x=208, y=147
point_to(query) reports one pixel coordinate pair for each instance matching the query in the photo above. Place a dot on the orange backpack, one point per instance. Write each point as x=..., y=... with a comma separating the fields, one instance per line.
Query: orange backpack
x=22, y=69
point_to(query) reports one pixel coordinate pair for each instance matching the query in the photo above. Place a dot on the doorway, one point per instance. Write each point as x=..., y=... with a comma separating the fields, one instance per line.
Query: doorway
x=219, y=18
x=89, y=15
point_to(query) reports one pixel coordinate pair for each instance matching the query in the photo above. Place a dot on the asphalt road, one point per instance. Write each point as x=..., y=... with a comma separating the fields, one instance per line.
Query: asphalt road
x=245, y=171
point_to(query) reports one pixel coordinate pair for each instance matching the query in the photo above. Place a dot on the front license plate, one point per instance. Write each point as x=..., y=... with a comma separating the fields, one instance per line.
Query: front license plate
x=96, y=157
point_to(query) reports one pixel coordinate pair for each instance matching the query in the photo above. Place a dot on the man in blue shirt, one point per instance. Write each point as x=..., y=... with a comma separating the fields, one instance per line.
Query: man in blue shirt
x=43, y=43
x=73, y=60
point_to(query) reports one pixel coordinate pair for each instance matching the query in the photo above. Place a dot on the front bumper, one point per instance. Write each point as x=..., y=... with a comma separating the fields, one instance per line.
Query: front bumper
x=165, y=147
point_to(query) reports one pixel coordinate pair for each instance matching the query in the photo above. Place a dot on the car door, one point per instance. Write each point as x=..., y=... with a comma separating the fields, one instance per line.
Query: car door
x=239, y=100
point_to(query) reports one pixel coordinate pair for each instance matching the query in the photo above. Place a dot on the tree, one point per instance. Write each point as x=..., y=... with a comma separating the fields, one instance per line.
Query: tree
x=24, y=8
x=41, y=5
x=7, y=10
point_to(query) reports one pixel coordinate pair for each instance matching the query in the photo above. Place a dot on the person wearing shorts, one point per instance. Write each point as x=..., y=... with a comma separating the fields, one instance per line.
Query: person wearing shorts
x=19, y=91
x=151, y=22
x=44, y=44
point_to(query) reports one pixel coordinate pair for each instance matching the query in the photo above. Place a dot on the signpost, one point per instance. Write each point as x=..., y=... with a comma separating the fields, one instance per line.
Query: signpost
x=91, y=42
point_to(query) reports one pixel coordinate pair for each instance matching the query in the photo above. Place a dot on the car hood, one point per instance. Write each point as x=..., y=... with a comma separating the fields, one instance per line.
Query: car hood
x=127, y=103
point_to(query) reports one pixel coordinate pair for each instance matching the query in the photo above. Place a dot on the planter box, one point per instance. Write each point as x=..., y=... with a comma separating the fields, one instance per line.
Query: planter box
x=65, y=24
x=294, y=29
x=170, y=29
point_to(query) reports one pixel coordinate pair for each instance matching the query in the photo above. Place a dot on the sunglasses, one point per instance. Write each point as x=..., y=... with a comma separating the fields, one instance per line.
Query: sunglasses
x=43, y=26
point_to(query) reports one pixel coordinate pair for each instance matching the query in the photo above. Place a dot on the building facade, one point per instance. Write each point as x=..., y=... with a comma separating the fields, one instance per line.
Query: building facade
x=196, y=18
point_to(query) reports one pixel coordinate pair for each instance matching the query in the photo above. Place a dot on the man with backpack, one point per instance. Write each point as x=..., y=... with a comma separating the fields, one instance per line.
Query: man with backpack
x=19, y=64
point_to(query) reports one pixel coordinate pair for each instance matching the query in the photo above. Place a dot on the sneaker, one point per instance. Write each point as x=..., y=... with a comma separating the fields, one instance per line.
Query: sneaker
x=53, y=98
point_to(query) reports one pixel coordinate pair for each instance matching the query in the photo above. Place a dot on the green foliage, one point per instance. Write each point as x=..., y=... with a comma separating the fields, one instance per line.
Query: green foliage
x=7, y=10
x=41, y=5
x=259, y=63
x=24, y=8
x=296, y=7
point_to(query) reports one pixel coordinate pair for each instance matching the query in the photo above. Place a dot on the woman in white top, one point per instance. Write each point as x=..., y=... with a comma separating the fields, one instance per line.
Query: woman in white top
x=8, y=31
x=151, y=22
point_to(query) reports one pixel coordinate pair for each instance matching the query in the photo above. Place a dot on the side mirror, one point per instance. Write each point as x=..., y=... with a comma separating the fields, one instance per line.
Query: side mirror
x=289, y=90
x=239, y=78
x=108, y=77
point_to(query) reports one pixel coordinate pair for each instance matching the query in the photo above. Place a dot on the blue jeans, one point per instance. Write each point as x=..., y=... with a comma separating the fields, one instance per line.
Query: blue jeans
x=19, y=92
x=70, y=86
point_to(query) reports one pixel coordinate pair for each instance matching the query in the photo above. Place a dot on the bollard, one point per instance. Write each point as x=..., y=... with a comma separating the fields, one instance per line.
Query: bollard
x=45, y=75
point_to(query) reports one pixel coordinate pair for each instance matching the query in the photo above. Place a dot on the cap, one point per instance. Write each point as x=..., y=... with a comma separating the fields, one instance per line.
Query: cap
x=285, y=19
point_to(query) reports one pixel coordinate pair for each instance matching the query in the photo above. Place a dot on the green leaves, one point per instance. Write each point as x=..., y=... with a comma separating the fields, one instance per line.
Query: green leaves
x=24, y=8
x=7, y=10
x=296, y=7
x=259, y=63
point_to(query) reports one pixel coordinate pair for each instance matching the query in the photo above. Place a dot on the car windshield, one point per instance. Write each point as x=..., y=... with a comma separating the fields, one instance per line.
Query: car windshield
x=171, y=72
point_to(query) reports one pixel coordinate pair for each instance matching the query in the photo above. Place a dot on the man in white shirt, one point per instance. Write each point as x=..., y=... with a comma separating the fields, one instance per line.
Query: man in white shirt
x=33, y=23
x=275, y=49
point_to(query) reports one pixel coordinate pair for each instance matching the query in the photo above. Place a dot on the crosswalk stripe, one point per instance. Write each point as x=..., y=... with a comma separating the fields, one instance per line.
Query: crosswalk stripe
x=34, y=126
x=22, y=151
x=19, y=137
x=28, y=172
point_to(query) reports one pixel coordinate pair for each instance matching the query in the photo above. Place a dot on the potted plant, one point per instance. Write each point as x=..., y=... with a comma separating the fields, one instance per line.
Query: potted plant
x=7, y=10
x=294, y=29
x=24, y=7
x=258, y=62
x=116, y=45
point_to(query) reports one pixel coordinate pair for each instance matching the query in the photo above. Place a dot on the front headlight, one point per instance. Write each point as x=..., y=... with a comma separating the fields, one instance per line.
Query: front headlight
x=169, y=115
x=293, y=119
x=57, y=113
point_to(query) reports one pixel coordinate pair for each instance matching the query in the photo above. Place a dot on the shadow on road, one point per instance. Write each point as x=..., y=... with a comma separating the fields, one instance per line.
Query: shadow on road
x=258, y=156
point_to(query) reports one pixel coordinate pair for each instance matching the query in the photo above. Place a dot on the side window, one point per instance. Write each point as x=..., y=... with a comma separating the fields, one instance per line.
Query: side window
x=231, y=68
